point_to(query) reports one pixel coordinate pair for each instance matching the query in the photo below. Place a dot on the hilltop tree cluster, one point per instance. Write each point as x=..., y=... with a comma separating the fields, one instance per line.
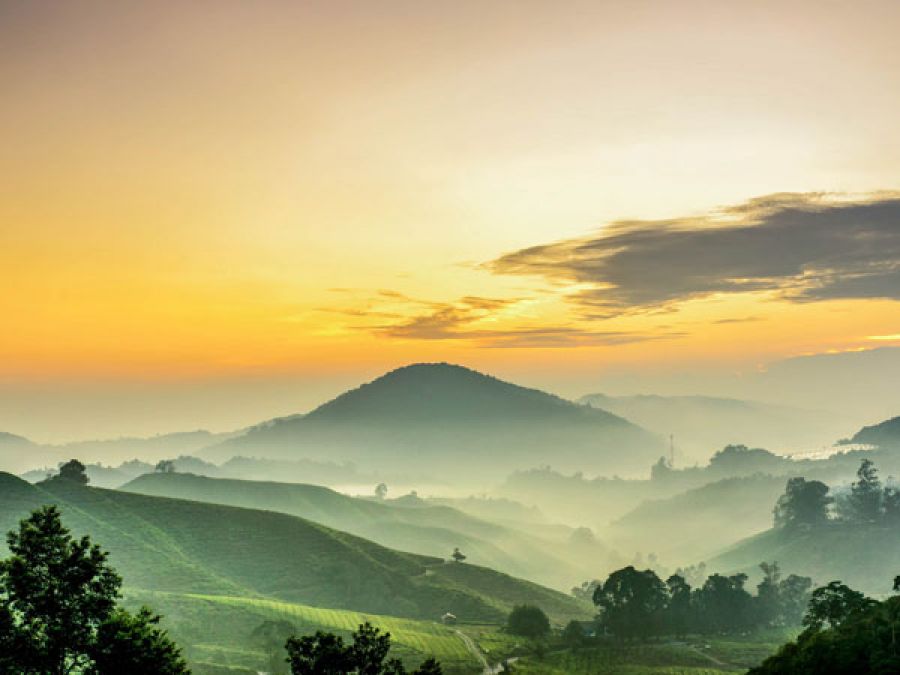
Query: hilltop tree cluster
x=808, y=504
x=637, y=604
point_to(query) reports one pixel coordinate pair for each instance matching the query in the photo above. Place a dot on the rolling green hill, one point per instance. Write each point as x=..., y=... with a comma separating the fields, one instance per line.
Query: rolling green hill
x=451, y=421
x=182, y=546
x=426, y=529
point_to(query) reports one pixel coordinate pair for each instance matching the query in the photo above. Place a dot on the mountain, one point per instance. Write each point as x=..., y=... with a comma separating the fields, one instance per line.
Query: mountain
x=425, y=528
x=701, y=521
x=864, y=557
x=884, y=435
x=179, y=546
x=450, y=420
x=703, y=424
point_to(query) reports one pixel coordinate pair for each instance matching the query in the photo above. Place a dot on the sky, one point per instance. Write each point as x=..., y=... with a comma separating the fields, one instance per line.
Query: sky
x=212, y=213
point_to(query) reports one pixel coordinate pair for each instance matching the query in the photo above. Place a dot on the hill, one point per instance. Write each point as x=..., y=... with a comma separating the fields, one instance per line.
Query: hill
x=180, y=546
x=425, y=528
x=884, y=435
x=699, y=522
x=863, y=557
x=449, y=420
x=703, y=424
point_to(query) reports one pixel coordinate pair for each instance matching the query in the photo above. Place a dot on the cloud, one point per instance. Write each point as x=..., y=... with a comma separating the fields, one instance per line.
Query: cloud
x=464, y=319
x=800, y=247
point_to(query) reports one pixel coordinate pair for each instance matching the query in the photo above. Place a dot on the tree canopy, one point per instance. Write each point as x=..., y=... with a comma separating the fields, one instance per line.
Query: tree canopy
x=58, y=609
x=528, y=621
x=367, y=654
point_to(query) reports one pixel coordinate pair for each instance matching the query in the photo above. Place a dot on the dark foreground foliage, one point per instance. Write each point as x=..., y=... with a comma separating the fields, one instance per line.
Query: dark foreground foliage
x=846, y=634
x=328, y=654
x=58, y=611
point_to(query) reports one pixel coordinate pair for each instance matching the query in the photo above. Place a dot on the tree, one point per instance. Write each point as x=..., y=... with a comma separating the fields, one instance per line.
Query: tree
x=632, y=602
x=768, y=600
x=890, y=503
x=73, y=472
x=678, y=612
x=528, y=621
x=327, y=654
x=794, y=596
x=165, y=466
x=58, y=608
x=725, y=606
x=457, y=555
x=865, y=497
x=134, y=644
x=381, y=491
x=803, y=504
x=864, y=640
x=833, y=604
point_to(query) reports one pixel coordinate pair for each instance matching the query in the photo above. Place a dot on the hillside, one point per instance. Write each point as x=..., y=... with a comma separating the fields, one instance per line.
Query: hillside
x=699, y=522
x=884, y=435
x=427, y=529
x=449, y=420
x=864, y=557
x=703, y=424
x=180, y=546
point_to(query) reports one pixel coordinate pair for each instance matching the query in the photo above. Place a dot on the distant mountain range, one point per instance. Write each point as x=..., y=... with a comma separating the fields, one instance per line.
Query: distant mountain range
x=454, y=421
x=702, y=425
x=883, y=435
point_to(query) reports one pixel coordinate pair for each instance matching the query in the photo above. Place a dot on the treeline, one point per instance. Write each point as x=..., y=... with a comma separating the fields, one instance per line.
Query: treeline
x=637, y=604
x=846, y=634
x=808, y=503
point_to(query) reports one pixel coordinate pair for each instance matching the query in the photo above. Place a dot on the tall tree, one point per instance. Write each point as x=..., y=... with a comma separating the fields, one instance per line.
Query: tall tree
x=58, y=608
x=833, y=604
x=803, y=504
x=632, y=602
x=865, y=494
x=678, y=612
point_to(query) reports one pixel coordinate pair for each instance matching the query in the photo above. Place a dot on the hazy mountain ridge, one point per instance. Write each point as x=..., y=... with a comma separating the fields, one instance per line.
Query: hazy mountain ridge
x=703, y=424
x=449, y=418
x=428, y=529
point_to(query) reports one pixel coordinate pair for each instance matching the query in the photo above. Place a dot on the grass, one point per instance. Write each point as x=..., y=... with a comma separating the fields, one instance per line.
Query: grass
x=182, y=546
x=216, y=630
x=432, y=530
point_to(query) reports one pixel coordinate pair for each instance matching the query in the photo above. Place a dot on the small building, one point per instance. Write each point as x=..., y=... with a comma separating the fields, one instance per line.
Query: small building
x=448, y=619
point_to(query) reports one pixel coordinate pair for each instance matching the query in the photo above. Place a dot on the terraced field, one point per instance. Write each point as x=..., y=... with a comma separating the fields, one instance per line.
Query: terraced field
x=424, y=637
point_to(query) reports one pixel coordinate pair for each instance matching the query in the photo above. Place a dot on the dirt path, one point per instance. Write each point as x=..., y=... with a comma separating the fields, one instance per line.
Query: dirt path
x=487, y=668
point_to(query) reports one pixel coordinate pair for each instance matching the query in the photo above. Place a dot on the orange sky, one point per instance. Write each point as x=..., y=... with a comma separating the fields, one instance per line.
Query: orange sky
x=212, y=191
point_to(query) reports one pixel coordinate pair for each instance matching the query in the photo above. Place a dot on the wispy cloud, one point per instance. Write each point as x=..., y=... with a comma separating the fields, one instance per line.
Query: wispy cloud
x=467, y=318
x=799, y=247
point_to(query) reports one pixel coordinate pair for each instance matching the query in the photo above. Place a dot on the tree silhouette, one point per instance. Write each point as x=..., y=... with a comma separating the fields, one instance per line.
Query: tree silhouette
x=803, y=504
x=73, y=472
x=58, y=608
x=457, y=555
x=328, y=654
x=165, y=466
x=381, y=490
x=528, y=621
x=632, y=602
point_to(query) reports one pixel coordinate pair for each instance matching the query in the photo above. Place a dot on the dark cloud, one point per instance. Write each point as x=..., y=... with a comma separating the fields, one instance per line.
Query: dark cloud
x=802, y=247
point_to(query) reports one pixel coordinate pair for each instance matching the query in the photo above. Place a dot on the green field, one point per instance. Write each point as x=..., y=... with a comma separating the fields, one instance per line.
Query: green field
x=216, y=630
x=695, y=656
